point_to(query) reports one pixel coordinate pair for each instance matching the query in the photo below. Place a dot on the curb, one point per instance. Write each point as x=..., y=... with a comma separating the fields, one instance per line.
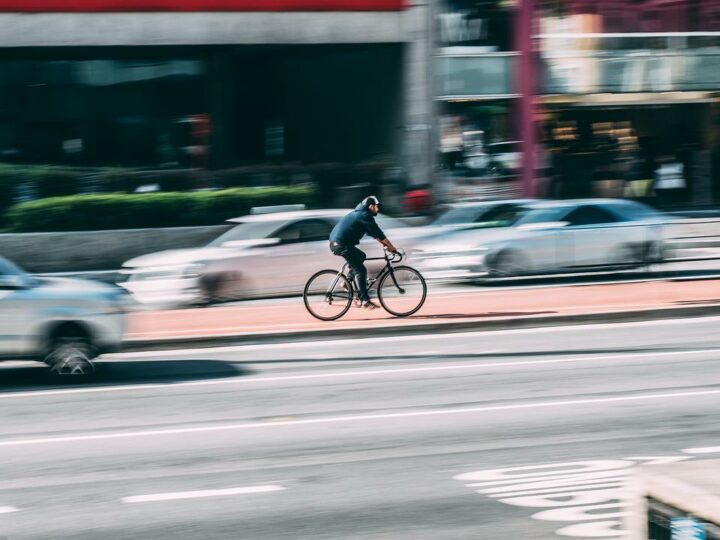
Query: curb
x=424, y=328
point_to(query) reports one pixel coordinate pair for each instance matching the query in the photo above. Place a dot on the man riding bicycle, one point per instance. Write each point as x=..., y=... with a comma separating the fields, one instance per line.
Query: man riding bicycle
x=347, y=234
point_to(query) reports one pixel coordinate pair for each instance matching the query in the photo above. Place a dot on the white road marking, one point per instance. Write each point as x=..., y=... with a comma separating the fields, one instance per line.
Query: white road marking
x=708, y=450
x=244, y=379
x=352, y=418
x=178, y=495
x=8, y=509
x=569, y=493
x=391, y=339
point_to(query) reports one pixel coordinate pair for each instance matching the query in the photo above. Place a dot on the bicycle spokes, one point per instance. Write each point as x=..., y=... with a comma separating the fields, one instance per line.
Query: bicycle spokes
x=402, y=292
x=328, y=295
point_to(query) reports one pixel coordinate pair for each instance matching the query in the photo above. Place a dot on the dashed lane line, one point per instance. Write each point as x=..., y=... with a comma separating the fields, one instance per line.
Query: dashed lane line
x=630, y=398
x=179, y=495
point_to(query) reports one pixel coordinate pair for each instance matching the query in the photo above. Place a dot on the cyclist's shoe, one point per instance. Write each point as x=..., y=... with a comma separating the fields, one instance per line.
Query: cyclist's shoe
x=370, y=305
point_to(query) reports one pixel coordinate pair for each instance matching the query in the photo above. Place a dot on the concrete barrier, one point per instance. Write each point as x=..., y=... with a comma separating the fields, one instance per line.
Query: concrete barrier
x=675, y=501
x=97, y=250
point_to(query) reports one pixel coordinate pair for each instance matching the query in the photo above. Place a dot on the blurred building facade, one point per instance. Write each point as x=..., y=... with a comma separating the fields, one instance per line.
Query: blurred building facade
x=613, y=98
x=215, y=83
x=561, y=98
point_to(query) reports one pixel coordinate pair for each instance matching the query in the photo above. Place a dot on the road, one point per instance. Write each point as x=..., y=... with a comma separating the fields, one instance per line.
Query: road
x=495, y=435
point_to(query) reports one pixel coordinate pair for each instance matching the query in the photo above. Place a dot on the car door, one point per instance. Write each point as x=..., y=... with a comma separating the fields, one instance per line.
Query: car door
x=303, y=250
x=593, y=233
x=15, y=306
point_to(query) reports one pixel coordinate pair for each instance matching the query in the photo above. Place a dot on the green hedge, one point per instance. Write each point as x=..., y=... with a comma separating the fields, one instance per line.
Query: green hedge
x=120, y=211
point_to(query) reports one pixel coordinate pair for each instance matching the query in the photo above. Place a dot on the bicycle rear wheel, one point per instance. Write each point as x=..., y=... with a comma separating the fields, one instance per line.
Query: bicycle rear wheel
x=403, y=295
x=328, y=295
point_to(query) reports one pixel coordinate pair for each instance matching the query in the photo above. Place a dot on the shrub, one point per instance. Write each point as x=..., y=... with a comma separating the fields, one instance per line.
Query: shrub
x=121, y=211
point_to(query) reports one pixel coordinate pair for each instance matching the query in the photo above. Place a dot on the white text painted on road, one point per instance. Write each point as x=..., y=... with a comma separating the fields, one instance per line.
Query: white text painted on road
x=590, y=495
x=7, y=509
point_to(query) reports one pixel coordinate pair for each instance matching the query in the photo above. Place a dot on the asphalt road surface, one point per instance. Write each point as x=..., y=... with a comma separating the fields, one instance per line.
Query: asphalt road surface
x=525, y=434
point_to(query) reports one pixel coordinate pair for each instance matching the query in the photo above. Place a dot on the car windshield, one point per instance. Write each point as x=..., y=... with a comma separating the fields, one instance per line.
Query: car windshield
x=8, y=268
x=503, y=215
x=458, y=215
x=248, y=231
x=543, y=215
x=638, y=211
x=386, y=222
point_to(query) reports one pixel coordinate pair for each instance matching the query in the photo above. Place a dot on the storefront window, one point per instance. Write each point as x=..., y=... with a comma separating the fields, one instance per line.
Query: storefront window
x=629, y=46
x=477, y=140
x=475, y=23
x=100, y=111
x=625, y=16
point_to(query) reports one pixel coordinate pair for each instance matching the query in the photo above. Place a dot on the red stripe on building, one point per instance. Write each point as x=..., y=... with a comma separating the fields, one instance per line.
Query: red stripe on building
x=38, y=6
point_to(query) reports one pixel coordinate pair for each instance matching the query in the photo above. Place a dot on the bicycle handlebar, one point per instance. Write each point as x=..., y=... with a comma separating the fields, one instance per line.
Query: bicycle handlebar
x=396, y=257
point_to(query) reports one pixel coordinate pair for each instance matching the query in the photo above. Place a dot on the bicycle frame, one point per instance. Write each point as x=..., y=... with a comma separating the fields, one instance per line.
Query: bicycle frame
x=388, y=268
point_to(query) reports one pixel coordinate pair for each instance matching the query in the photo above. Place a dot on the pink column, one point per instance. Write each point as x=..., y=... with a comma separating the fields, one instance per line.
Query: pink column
x=525, y=118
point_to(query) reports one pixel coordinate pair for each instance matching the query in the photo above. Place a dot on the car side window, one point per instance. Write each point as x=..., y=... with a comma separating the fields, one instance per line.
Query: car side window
x=290, y=233
x=315, y=230
x=589, y=215
x=505, y=213
x=309, y=230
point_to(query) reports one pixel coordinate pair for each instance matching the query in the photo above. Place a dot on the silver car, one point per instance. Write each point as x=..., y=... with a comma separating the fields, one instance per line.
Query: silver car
x=263, y=255
x=550, y=237
x=65, y=323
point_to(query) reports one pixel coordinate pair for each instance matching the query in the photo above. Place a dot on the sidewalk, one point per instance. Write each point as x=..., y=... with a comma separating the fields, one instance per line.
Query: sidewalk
x=496, y=309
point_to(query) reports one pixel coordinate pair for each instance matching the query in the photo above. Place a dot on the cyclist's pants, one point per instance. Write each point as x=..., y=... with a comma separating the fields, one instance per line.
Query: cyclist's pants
x=358, y=272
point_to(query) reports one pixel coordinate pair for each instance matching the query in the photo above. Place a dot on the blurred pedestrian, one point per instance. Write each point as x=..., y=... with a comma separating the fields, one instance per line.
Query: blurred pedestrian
x=669, y=180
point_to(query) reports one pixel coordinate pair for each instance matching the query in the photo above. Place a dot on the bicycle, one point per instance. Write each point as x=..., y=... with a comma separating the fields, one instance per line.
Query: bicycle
x=401, y=290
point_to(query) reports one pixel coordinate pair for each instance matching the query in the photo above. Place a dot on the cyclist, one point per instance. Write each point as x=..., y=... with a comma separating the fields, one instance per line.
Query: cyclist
x=347, y=234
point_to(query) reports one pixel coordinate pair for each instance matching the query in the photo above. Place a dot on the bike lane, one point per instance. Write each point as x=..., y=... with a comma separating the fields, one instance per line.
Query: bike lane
x=290, y=315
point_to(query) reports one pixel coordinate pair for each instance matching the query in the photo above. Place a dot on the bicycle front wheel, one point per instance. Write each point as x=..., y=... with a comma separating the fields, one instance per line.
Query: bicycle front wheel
x=402, y=292
x=328, y=295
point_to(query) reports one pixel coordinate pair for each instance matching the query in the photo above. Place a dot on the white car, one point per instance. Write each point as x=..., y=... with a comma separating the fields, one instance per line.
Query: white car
x=264, y=255
x=477, y=215
x=550, y=237
x=65, y=323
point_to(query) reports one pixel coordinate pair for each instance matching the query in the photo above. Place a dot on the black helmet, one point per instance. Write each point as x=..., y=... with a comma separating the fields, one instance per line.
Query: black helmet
x=369, y=201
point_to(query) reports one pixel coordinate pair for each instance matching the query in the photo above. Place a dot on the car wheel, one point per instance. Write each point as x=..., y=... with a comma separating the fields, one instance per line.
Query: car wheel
x=628, y=257
x=655, y=253
x=215, y=289
x=508, y=264
x=71, y=356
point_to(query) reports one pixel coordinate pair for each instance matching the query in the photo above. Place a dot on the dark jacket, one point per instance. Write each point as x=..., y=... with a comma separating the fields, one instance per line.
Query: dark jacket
x=350, y=229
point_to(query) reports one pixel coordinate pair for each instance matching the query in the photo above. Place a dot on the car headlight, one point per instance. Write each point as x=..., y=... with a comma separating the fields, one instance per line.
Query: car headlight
x=445, y=252
x=184, y=271
x=193, y=270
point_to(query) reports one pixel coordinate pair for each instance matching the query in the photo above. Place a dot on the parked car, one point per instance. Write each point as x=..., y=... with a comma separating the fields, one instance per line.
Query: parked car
x=263, y=255
x=65, y=323
x=505, y=158
x=550, y=237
